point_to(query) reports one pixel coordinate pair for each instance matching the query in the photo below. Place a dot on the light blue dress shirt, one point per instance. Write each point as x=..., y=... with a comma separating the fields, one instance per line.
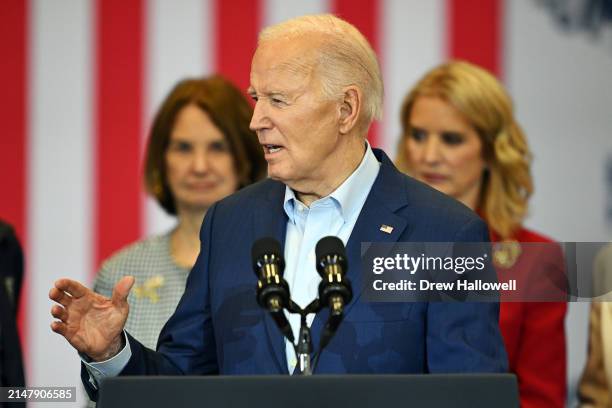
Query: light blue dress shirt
x=335, y=215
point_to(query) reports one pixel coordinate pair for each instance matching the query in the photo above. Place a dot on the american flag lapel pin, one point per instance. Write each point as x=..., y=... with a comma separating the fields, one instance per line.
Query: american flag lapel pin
x=386, y=228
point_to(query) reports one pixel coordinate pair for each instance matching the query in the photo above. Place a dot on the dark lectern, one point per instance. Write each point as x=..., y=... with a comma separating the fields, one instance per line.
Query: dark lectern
x=355, y=391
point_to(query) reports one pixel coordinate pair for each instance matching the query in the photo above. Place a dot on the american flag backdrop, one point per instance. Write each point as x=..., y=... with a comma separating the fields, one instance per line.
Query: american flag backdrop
x=81, y=79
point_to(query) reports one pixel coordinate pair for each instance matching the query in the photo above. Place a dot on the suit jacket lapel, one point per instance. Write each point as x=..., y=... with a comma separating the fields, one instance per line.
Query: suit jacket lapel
x=271, y=221
x=386, y=197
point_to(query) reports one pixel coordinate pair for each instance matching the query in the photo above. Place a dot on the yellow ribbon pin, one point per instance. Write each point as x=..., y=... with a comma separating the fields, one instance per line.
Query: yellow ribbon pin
x=149, y=289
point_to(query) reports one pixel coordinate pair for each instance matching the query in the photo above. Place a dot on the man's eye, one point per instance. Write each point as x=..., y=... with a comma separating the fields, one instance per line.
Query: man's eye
x=418, y=134
x=277, y=101
x=452, y=138
x=254, y=97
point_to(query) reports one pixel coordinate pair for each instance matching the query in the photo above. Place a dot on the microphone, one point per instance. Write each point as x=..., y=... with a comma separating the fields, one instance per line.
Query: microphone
x=272, y=289
x=335, y=289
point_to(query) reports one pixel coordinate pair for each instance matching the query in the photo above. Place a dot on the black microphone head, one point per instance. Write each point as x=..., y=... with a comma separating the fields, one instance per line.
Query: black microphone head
x=330, y=245
x=330, y=250
x=266, y=246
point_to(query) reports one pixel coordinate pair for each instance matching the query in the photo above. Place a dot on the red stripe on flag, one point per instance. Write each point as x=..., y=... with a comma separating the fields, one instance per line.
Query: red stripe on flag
x=14, y=26
x=475, y=32
x=13, y=143
x=120, y=29
x=237, y=25
x=363, y=14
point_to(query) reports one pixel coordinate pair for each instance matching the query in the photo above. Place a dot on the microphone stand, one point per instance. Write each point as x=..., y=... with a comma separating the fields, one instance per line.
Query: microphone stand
x=303, y=348
x=273, y=294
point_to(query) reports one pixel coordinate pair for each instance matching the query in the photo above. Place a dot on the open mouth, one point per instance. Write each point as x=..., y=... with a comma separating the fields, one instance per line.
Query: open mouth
x=270, y=148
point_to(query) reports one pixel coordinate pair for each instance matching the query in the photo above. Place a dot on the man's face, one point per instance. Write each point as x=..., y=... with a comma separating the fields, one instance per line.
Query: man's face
x=295, y=124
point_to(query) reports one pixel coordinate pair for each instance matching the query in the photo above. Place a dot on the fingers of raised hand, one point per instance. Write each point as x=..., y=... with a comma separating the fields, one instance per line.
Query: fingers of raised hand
x=59, y=328
x=72, y=287
x=59, y=313
x=60, y=297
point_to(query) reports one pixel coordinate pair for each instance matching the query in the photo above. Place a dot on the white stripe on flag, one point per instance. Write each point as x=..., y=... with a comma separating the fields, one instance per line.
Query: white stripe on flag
x=276, y=11
x=412, y=41
x=178, y=46
x=60, y=173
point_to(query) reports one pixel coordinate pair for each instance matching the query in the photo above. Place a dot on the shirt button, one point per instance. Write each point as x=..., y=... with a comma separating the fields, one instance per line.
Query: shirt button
x=300, y=208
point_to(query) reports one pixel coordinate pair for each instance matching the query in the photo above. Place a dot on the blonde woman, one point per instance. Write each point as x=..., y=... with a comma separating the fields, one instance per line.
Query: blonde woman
x=460, y=136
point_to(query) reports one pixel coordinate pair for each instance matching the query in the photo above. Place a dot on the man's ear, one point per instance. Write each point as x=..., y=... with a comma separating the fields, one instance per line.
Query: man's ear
x=350, y=108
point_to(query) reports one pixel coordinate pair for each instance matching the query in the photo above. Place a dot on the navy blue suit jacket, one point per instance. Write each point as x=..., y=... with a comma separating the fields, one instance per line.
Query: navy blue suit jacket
x=219, y=328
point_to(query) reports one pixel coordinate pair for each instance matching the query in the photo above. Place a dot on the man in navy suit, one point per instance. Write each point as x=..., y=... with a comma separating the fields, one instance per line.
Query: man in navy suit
x=317, y=87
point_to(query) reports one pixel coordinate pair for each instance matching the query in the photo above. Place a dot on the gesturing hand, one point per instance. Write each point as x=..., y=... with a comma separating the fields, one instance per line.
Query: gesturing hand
x=91, y=323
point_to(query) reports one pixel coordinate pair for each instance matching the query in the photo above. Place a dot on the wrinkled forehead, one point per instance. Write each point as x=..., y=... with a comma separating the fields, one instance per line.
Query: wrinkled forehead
x=292, y=59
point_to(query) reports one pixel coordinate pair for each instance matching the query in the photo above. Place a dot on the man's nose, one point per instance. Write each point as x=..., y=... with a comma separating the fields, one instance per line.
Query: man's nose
x=259, y=120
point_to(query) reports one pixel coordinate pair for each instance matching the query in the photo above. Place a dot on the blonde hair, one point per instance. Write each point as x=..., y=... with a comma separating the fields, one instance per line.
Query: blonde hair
x=344, y=58
x=484, y=103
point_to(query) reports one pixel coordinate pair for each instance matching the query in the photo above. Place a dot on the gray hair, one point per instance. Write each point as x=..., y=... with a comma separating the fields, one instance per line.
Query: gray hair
x=344, y=58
